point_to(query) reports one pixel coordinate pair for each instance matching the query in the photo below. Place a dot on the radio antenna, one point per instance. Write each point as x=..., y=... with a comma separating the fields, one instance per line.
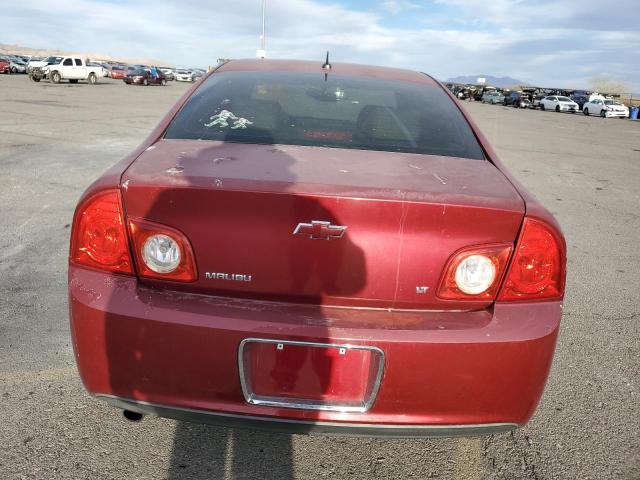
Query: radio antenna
x=326, y=66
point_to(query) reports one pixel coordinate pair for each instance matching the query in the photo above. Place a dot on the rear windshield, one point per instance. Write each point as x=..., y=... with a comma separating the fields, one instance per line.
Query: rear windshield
x=341, y=111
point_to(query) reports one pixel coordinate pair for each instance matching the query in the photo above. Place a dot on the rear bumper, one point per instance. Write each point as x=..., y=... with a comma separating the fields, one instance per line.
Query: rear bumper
x=176, y=355
x=284, y=425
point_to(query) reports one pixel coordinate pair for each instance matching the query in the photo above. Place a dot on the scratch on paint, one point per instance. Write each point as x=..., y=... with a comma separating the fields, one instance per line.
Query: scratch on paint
x=439, y=178
x=403, y=219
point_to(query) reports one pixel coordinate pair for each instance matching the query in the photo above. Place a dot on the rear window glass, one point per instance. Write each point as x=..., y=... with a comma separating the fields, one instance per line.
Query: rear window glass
x=341, y=112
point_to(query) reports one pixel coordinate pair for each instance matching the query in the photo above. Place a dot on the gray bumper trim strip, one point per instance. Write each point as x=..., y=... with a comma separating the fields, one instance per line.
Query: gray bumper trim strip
x=306, y=427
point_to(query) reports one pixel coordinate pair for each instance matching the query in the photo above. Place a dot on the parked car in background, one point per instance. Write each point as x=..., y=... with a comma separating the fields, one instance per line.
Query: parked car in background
x=198, y=73
x=183, y=75
x=605, y=108
x=515, y=99
x=273, y=306
x=101, y=70
x=23, y=58
x=559, y=104
x=145, y=77
x=5, y=65
x=537, y=98
x=40, y=62
x=72, y=69
x=17, y=64
x=118, y=72
x=580, y=97
x=168, y=73
x=583, y=97
x=492, y=97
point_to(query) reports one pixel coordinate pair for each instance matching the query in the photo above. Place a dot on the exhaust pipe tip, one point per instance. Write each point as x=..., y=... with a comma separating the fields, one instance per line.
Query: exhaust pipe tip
x=132, y=416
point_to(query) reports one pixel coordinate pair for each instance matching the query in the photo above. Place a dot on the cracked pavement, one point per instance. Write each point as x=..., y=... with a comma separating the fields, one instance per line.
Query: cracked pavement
x=54, y=139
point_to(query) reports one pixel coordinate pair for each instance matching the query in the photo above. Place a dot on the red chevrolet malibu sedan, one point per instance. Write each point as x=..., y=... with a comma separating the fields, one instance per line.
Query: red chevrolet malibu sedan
x=316, y=249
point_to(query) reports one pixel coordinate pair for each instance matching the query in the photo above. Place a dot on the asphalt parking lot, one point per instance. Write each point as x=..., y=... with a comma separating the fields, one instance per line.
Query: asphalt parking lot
x=55, y=139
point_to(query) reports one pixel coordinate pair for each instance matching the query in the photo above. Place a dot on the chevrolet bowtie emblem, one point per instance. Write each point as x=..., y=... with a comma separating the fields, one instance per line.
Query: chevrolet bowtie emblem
x=317, y=230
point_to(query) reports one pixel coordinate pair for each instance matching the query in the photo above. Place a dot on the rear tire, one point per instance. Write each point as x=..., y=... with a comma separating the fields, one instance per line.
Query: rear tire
x=163, y=82
x=145, y=82
x=92, y=79
x=55, y=77
x=542, y=107
x=558, y=108
x=586, y=112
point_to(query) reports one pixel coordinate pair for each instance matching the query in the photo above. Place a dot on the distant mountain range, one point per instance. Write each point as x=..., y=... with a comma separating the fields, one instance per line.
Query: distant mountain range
x=491, y=80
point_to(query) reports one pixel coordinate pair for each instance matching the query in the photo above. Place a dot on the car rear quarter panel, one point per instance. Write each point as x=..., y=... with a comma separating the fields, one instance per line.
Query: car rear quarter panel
x=533, y=208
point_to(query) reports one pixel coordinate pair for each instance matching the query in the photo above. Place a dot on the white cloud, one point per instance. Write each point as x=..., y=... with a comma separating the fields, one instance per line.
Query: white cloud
x=544, y=43
x=398, y=6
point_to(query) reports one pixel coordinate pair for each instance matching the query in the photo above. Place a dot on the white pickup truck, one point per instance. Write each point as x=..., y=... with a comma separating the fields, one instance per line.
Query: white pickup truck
x=72, y=69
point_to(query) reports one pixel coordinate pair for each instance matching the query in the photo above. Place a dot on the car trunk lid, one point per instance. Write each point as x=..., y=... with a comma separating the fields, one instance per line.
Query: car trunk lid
x=322, y=225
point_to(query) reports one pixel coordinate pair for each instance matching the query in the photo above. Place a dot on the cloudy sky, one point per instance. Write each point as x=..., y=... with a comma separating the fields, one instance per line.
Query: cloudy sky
x=562, y=43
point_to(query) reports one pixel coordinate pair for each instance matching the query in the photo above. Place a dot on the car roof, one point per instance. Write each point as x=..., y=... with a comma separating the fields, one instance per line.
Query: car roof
x=300, y=66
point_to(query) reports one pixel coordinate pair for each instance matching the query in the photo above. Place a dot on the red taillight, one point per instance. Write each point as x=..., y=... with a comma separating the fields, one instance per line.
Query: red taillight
x=99, y=236
x=493, y=256
x=537, y=269
x=141, y=231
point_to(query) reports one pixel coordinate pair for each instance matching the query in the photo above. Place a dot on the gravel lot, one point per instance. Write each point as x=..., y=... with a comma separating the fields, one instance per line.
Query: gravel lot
x=55, y=139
